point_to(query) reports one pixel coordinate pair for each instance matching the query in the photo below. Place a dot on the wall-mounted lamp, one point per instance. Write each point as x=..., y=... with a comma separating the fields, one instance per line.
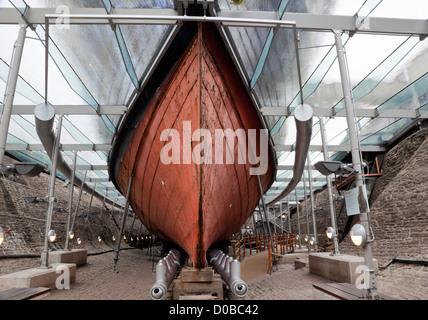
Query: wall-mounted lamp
x=306, y=238
x=113, y=238
x=1, y=235
x=79, y=241
x=71, y=235
x=29, y=169
x=99, y=239
x=358, y=235
x=329, y=232
x=329, y=167
x=311, y=241
x=51, y=235
x=35, y=199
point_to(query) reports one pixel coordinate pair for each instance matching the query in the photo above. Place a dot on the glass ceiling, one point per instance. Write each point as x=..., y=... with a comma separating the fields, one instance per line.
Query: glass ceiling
x=96, y=67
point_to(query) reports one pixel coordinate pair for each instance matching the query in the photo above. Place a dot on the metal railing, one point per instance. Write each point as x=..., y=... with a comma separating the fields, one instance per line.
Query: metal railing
x=284, y=243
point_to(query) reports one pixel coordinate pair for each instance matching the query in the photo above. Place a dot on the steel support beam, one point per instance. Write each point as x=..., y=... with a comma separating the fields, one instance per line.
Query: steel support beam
x=371, y=291
x=334, y=148
x=304, y=21
x=51, y=193
x=330, y=191
x=73, y=110
x=359, y=112
x=10, y=89
x=63, y=147
x=37, y=15
x=107, y=147
x=325, y=22
x=70, y=202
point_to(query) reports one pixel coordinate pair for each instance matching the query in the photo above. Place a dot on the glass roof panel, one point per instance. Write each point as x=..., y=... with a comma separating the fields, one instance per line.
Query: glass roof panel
x=68, y=3
x=142, y=3
x=250, y=42
x=93, y=128
x=142, y=52
x=413, y=9
x=94, y=65
x=93, y=52
x=250, y=5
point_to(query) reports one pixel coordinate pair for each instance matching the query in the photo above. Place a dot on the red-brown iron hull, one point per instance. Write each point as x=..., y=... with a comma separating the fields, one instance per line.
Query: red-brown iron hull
x=193, y=205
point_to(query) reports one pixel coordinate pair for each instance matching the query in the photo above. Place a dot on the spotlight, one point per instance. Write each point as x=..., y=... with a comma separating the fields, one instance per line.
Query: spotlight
x=1, y=236
x=29, y=169
x=358, y=235
x=306, y=238
x=51, y=235
x=311, y=241
x=114, y=238
x=328, y=167
x=99, y=239
x=124, y=237
x=329, y=232
x=35, y=199
x=79, y=241
x=71, y=235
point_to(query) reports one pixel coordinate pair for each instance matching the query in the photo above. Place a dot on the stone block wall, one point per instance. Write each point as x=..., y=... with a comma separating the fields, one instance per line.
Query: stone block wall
x=399, y=205
x=26, y=221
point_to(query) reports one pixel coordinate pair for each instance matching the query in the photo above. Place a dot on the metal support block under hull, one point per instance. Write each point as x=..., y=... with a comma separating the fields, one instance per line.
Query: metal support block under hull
x=198, y=283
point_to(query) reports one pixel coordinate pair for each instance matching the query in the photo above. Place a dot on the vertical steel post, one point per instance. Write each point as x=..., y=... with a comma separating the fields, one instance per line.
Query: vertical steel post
x=311, y=191
x=254, y=223
x=51, y=193
x=329, y=191
x=371, y=292
x=308, y=233
x=265, y=212
x=298, y=220
x=125, y=213
x=78, y=201
x=282, y=222
x=70, y=202
x=9, y=94
x=90, y=202
x=288, y=214
x=103, y=204
x=261, y=218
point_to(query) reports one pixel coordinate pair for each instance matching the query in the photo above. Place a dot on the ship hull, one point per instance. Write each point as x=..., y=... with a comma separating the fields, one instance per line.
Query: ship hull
x=185, y=188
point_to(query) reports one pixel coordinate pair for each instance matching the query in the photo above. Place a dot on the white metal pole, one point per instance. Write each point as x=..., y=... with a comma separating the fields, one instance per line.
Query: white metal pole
x=298, y=220
x=311, y=191
x=288, y=213
x=70, y=202
x=10, y=90
x=122, y=226
x=103, y=204
x=329, y=190
x=78, y=200
x=356, y=159
x=308, y=233
x=51, y=199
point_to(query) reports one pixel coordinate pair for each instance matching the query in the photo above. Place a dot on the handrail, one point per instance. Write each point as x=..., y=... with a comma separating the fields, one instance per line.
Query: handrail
x=284, y=243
